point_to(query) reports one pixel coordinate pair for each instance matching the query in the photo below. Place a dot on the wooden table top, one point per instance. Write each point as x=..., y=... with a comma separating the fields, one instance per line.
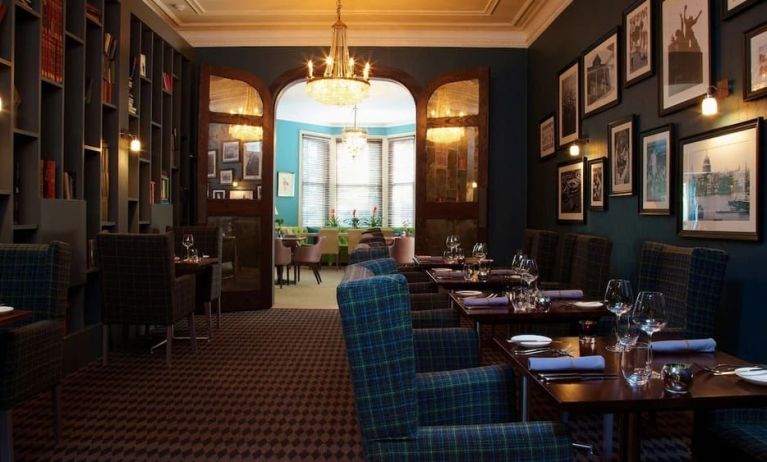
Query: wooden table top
x=496, y=281
x=426, y=262
x=615, y=395
x=188, y=267
x=560, y=310
x=13, y=316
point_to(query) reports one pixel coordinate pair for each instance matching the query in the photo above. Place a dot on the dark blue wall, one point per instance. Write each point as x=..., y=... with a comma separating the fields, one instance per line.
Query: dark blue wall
x=508, y=111
x=743, y=317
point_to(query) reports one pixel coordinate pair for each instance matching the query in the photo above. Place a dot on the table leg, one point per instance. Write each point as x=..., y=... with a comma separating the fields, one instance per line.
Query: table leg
x=607, y=436
x=6, y=436
x=524, y=404
x=630, y=446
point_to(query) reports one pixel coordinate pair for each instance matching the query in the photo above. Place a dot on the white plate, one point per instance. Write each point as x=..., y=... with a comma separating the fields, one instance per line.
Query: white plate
x=588, y=304
x=441, y=270
x=531, y=341
x=757, y=377
x=6, y=309
x=468, y=293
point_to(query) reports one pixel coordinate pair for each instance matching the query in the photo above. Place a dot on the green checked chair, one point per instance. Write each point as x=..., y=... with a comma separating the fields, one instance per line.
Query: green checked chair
x=361, y=254
x=33, y=277
x=419, y=282
x=404, y=414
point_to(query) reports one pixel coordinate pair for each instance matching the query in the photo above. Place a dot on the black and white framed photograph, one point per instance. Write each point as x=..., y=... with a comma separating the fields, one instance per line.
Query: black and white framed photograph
x=638, y=42
x=720, y=192
x=732, y=7
x=252, y=159
x=655, y=165
x=258, y=192
x=548, y=136
x=570, y=204
x=212, y=164
x=240, y=194
x=569, y=123
x=601, y=88
x=219, y=194
x=755, y=73
x=596, y=180
x=685, y=54
x=230, y=151
x=620, y=148
x=286, y=184
x=226, y=176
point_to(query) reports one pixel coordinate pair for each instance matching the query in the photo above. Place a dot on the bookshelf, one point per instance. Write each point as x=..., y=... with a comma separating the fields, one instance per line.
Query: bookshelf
x=72, y=99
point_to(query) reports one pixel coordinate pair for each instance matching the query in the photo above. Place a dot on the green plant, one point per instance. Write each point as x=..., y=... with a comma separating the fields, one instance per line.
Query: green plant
x=354, y=220
x=279, y=222
x=332, y=219
x=375, y=220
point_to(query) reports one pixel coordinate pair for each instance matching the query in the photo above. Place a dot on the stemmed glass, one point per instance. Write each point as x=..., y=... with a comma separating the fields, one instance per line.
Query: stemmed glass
x=188, y=242
x=480, y=250
x=650, y=315
x=452, y=241
x=618, y=298
x=516, y=262
x=529, y=275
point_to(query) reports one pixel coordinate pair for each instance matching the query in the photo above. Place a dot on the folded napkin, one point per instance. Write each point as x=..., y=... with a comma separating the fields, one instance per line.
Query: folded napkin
x=449, y=274
x=427, y=257
x=476, y=301
x=701, y=345
x=503, y=272
x=564, y=363
x=562, y=294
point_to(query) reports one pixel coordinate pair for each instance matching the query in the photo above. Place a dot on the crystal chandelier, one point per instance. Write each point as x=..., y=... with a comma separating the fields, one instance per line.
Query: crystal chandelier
x=445, y=135
x=354, y=139
x=339, y=85
x=244, y=132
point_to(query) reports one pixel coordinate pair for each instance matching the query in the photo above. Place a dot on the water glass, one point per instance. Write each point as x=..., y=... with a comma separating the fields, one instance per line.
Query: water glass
x=520, y=300
x=447, y=255
x=586, y=330
x=471, y=271
x=483, y=269
x=480, y=250
x=194, y=257
x=636, y=365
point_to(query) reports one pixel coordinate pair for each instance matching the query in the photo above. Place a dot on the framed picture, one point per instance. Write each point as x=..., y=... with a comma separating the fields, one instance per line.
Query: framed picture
x=219, y=194
x=241, y=194
x=755, y=73
x=548, y=136
x=601, y=88
x=597, y=177
x=230, y=151
x=720, y=192
x=258, y=190
x=569, y=123
x=252, y=157
x=732, y=7
x=620, y=148
x=212, y=164
x=286, y=182
x=570, y=207
x=226, y=176
x=655, y=166
x=638, y=42
x=685, y=54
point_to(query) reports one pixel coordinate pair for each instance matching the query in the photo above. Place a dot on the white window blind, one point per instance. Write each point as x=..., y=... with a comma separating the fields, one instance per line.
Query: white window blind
x=359, y=181
x=401, y=200
x=315, y=184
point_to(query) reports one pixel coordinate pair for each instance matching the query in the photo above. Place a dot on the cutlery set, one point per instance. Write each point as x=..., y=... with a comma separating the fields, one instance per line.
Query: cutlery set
x=547, y=377
x=544, y=350
x=729, y=369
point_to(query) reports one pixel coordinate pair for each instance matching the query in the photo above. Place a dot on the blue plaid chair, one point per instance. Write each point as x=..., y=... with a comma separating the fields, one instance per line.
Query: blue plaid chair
x=583, y=262
x=35, y=278
x=361, y=254
x=731, y=434
x=542, y=245
x=457, y=415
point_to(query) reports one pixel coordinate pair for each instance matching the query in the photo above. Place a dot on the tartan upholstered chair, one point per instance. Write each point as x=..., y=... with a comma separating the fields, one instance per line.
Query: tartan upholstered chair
x=731, y=434
x=406, y=415
x=583, y=263
x=139, y=286
x=361, y=254
x=33, y=277
x=208, y=240
x=373, y=237
x=419, y=281
x=542, y=246
x=692, y=281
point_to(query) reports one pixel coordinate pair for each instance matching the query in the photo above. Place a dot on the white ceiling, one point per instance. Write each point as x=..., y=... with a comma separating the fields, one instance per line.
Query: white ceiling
x=423, y=23
x=389, y=104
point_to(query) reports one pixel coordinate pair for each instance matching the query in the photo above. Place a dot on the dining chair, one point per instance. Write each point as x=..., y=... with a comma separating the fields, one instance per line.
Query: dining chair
x=731, y=434
x=403, y=250
x=283, y=259
x=330, y=244
x=308, y=255
x=353, y=239
x=373, y=237
x=139, y=286
x=583, y=263
x=33, y=277
x=542, y=245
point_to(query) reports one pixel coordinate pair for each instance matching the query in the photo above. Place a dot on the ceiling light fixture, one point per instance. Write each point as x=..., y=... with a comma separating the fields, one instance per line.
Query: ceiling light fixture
x=354, y=139
x=244, y=132
x=339, y=85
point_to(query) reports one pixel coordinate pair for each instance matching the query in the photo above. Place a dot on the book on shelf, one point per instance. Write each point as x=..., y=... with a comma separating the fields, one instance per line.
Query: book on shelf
x=151, y=191
x=92, y=11
x=165, y=189
x=52, y=41
x=167, y=82
x=108, y=71
x=47, y=179
x=104, y=193
x=142, y=65
x=68, y=186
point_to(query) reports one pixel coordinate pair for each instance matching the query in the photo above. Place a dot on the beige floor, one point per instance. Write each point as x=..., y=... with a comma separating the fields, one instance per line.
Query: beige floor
x=309, y=294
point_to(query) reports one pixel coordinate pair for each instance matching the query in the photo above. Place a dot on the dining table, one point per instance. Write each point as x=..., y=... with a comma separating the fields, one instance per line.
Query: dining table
x=453, y=279
x=426, y=262
x=609, y=396
x=10, y=317
x=202, y=269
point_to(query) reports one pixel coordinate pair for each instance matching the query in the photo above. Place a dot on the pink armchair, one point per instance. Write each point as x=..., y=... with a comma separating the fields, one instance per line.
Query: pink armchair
x=282, y=260
x=403, y=250
x=308, y=255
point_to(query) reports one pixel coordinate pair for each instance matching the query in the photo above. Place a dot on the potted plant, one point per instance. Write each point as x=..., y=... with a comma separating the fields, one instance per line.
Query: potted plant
x=332, y=219
x=278, y=223
x=375, y=220
x=354, y=220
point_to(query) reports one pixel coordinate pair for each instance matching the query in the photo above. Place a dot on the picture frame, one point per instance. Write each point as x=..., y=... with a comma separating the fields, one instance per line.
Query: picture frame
x=230, y=151
x=732, y=7
x=601, y=68
x=212, y=163
x=252, y=160
x=568, y=105
x=620, y=151
x=547, y=136
x=226, y=176
x=638, y=42
x=258, y=190
x=685, y=58
x=656, y=148
x=241, y=194
x=720, y=190
x=286, y=184
x=219, y=194
x=570, y=195
x=755, y=63
x=597, y=176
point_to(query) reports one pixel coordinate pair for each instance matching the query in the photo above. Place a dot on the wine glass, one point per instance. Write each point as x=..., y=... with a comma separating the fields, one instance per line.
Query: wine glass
x=618, y=298
x=188, y=242
x=529, y=271
x=650, y=315
x=516, y=262
x=480, y=250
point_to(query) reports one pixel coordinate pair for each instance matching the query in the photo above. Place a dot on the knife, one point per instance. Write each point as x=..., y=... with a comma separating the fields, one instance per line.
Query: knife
x=563, y=378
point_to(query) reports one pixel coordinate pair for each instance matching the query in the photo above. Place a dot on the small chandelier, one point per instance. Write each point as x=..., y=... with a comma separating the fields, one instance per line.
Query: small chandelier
x=445, y=135
x=339, y=85
x=354, y=139
x=244, y=132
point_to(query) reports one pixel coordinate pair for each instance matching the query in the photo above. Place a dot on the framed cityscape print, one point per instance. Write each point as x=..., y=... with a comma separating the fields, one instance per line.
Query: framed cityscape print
x=570, y=207
x=755, y=73
x=547, y=135
x=230, y=151
x=212, y=163
x=732, y=7
x=655, y=166
x=251, y=160
x=596, y=190
x=620, y=149
x=601, y=88
x=719, y=175
x=569, y=123
x=685, y=54
x=226, y=176
x=638, y=42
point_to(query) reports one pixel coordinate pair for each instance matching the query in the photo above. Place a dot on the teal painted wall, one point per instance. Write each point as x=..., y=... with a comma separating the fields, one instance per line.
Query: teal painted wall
x=288, y=135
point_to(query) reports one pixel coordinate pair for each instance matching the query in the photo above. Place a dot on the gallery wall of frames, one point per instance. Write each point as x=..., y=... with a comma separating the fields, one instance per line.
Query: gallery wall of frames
x=624, y=81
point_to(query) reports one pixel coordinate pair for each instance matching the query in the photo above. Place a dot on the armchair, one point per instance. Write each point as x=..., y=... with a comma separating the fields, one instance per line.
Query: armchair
x=308, y=255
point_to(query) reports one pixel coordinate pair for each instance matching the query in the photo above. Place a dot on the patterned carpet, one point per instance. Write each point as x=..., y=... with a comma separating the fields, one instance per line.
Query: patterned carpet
x=271, y=385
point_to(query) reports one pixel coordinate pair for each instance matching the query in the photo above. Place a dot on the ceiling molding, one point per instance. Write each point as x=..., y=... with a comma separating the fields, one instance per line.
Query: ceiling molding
x=543, y=19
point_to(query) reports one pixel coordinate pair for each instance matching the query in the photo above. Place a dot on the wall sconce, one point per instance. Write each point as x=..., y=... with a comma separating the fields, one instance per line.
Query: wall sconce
x=135, y=143
x=1, y=104
x=709, y=106
x=235, y=184
x=576, y=146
